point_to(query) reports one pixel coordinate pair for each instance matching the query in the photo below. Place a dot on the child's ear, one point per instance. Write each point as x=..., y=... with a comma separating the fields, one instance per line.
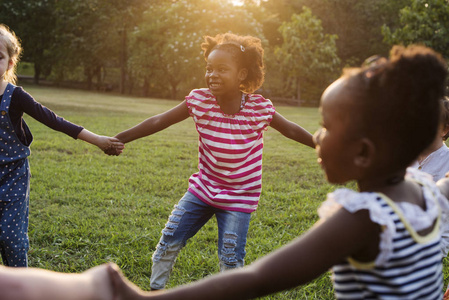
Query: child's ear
x=365, y=153
x=243, y=73
x=445, y=130
x=10, y=64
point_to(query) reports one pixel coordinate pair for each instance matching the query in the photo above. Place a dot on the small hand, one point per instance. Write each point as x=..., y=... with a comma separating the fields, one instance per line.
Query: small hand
x=113, y=150
x=111, y=145
x=122, y=287
x=443, y=185
x=100, y=278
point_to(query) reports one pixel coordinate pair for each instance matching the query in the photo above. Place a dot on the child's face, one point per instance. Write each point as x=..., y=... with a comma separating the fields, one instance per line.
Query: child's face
x=334, y=141
x=223, y=75
x=5, y=61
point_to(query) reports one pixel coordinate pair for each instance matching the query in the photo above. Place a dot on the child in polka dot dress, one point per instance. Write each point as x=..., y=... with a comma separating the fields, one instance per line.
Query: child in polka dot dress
x=15, y=139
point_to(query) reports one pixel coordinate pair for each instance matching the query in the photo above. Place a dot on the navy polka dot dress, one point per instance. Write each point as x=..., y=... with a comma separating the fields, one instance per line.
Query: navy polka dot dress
x=14, y=189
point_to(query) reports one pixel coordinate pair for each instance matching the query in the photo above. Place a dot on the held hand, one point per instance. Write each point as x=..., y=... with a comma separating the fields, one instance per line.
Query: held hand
x=106, y=142
x=114, y=151
x=123, y=289
x=110, y=145
x=100, y=279
x=443, y=185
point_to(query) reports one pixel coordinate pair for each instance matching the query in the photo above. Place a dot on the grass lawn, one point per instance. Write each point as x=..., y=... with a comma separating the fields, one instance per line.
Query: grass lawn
x=88, y=208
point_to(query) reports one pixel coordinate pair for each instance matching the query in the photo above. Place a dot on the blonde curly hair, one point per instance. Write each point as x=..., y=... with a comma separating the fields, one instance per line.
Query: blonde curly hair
x=12, y=45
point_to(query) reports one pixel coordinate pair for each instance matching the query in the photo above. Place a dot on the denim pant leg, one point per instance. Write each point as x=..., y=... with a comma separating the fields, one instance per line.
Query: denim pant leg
x=232, y=232
x=14, y=232
x=184, y=222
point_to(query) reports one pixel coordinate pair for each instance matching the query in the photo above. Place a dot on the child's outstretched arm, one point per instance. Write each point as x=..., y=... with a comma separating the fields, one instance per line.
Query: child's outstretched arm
x=155, y=123
x=326, y=244
x=110, y=145
x=40, y=284
x=292, y=130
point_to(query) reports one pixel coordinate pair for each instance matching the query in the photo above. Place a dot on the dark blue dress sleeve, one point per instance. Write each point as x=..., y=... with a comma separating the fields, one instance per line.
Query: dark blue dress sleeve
x=22, y=102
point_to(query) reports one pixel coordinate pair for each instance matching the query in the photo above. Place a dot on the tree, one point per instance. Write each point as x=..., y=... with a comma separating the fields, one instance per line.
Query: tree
x=307, y=53
x=424, y=22
x=34, y=23
x=86, y=41
x=357, y=23
x=94, y=35
x=165, y=49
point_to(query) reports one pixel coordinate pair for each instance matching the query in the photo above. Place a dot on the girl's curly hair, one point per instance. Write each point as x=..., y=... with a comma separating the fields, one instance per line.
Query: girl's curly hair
x=12, y=45
x=248, y=53
x=400, y=99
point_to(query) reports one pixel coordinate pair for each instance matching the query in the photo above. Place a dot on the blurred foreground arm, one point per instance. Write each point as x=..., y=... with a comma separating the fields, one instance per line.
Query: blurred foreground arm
x=40, y=284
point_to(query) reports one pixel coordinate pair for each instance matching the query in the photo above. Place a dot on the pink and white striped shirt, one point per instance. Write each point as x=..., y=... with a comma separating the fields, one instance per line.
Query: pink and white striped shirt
x=230, y=151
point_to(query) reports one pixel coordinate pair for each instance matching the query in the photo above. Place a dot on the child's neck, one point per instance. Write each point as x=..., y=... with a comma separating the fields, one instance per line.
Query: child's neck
x=231, y=104
x=395, y=188
x=381, y=183
x=3, y=85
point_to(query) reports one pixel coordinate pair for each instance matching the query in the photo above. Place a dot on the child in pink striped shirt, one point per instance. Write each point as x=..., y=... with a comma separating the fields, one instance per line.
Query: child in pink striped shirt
x=230, y=121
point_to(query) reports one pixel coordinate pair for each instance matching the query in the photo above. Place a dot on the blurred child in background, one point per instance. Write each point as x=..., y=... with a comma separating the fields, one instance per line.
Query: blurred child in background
x=435, y=159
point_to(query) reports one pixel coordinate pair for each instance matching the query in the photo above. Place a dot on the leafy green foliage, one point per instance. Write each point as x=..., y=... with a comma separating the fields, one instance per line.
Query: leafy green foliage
x=422, y=22
x=34, y=22
x=166, y=52
x=307, y=53
x=153, y=47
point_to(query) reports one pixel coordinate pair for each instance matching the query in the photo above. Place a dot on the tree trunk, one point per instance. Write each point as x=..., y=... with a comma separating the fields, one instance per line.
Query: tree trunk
x=97, y=74
x=174, y=90
x=37, y=73
x=88, y=73
x=298, y=91
x=145, y=87
x=123, y=59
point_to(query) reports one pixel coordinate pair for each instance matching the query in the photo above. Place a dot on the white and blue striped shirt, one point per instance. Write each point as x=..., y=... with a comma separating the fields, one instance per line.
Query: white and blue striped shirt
x=409, y=265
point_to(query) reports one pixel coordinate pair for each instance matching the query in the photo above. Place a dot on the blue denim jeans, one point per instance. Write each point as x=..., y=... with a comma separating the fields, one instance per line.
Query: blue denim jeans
x=184, y=222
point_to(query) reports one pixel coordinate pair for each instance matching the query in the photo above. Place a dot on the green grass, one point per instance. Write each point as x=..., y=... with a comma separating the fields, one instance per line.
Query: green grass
x=88, y=208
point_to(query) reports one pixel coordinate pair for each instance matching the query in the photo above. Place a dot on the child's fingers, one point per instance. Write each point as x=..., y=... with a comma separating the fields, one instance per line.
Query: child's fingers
x=118, y=145
x=112, y=151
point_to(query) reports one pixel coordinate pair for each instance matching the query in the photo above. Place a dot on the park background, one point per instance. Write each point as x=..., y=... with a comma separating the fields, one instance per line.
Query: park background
x=151, y=48
x=107, y=65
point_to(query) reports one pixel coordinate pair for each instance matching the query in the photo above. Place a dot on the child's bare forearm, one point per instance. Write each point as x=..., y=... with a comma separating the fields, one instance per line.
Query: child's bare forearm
x=103, y=142
x=37, y=284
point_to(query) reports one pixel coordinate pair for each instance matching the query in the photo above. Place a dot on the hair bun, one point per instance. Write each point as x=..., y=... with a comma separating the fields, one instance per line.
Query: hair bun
x=418, y=68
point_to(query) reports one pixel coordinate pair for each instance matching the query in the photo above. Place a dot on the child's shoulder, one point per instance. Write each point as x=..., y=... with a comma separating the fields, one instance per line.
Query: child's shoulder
x=200, y=94
x=349, y=199
x=258, y=97
x=260, y=103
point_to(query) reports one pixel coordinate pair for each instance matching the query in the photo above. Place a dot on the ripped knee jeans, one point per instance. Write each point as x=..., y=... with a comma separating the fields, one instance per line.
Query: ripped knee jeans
x=186, y=219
